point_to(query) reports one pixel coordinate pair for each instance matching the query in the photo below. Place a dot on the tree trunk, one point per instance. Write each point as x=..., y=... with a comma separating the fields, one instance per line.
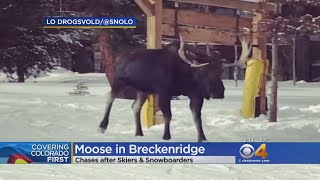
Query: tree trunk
x=303, y=60
x=20, y=73
x=294, y=79
x=274, y=79
x=236, y=69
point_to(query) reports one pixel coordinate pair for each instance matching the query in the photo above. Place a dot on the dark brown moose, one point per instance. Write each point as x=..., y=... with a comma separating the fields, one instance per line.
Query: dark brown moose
x=170, y=71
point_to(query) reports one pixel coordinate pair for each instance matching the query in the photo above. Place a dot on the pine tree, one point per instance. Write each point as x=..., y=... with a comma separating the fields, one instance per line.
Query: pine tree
x=81, y=89
x=118, y=39
x=26, y=48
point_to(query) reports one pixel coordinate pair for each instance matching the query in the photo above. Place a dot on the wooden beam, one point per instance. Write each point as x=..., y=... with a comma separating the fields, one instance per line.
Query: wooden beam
x=152, y=1
x=259, y=39
x=260, y=52
x=154, y=33
x=154, y=38
x=192, y=18
x=234, y=4
x=146, y=6
x=202, y=35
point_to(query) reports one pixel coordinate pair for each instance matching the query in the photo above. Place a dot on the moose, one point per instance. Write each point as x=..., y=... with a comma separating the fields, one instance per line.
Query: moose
x=171, y=71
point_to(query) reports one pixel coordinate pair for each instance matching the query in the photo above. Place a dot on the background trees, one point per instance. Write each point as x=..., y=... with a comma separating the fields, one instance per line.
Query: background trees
x=26, y=48
x=298, y=18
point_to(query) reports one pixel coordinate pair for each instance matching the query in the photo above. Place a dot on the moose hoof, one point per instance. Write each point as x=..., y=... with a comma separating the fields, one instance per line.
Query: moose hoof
x=202, y=140
x=101, y=130
x=166, y=137
x=139, y=134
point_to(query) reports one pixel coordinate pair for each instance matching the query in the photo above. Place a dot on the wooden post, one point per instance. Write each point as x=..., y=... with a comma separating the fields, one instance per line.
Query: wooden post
x=274, y=75
x=153, y=10
x=236, y=69
x=260, y=52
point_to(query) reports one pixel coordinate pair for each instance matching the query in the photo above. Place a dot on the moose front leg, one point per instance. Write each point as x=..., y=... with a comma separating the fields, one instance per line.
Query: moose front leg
x=195, y=107
x=104, y=123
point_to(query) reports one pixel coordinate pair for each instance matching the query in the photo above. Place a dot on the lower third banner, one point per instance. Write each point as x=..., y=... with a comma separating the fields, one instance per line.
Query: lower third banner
x=158, y=153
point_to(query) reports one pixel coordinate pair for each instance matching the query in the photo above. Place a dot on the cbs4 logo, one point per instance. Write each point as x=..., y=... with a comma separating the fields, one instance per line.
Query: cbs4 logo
x=247, y=151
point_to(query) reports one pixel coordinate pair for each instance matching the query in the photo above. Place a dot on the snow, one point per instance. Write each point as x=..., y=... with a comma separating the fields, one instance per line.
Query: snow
x=301, y=81
x=314, y=109
x=41, y=49
x=42, y=110
x=66, y=38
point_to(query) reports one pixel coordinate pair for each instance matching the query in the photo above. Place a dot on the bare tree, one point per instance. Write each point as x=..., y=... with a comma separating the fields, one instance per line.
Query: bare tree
x=284, y=28
x=274, y=76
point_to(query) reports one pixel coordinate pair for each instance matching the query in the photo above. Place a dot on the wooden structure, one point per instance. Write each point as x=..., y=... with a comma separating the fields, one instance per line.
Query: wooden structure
x=153, y=10
x=204, y=27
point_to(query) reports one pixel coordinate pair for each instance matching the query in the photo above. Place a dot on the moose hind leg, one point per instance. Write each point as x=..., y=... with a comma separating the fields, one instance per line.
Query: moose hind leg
x=164, y=105
x=104, y=123
x=136, y=107
x=196, y=106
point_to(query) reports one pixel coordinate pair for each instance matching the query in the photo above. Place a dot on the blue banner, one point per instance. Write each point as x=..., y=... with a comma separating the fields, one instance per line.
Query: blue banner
x=150, y=152
x=89, y=22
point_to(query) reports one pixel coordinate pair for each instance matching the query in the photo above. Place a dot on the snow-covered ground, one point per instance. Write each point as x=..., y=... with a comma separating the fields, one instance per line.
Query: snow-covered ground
x=42, y=110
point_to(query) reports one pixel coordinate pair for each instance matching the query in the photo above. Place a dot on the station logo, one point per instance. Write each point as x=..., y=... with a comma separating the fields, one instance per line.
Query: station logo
x=248, y=152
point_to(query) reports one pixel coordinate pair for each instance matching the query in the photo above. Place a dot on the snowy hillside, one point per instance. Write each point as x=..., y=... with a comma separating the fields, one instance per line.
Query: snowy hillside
x=42, y=110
